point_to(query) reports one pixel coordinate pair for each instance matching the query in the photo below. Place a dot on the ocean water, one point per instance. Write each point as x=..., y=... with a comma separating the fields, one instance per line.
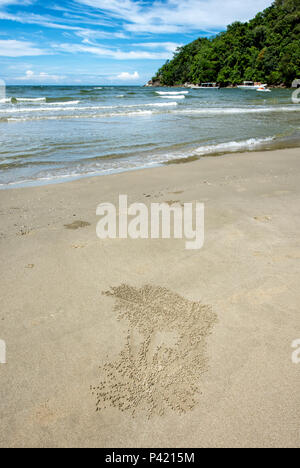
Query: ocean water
x=50, y=134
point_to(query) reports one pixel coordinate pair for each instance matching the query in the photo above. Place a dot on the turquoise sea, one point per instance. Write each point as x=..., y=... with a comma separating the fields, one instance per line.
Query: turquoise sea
x=50, y=134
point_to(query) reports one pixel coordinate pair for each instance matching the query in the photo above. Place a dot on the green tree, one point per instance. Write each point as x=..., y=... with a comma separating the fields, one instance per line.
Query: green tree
x=266, y=48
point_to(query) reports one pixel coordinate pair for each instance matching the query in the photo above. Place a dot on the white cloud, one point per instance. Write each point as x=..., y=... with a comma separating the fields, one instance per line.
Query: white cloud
x=12, y=48
x=168, y=46
x=89, y=35
x=38, y=20
x=125, y=76
x=65, y=21
x=40, y=77
x=116, y=54
x=12, y=2
x=177, y=15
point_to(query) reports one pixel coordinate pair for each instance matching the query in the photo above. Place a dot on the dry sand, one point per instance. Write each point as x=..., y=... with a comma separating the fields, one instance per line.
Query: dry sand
x=173, y=348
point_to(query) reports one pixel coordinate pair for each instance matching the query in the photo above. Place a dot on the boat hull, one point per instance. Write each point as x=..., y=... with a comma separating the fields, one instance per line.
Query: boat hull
x=204, y=87
x=252, y=88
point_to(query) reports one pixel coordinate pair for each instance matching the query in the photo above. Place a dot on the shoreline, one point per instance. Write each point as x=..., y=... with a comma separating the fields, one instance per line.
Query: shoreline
x=61, y=326
x=282, y=86
x=291, y=142
x=232, y=121
x=143, y=171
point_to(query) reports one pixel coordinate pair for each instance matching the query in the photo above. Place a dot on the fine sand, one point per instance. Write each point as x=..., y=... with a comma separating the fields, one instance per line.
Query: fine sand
x=141, y=343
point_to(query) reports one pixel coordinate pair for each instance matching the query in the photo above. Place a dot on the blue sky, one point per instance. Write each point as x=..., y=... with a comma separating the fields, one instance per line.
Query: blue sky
x=104, y=41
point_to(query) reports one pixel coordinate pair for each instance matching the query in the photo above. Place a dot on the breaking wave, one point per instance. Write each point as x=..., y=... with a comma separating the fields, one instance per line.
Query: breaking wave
x=173, y=97
x=232, y=146
x=239, y=110
x=164, y=93
x=41, y=99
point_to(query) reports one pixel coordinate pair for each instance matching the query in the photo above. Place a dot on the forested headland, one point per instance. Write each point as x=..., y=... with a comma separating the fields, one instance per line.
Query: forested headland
x=265, y=49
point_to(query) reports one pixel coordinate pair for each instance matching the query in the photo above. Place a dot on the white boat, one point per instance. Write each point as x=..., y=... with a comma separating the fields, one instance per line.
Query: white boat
x=263, y=90
x=251, y=85
x=205, y=86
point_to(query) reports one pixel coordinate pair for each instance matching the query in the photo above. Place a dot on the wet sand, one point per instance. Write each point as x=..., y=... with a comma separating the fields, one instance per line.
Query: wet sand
x=141, y=343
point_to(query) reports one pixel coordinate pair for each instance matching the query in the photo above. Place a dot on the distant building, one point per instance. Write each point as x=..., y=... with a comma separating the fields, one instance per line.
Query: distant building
x=296, y=84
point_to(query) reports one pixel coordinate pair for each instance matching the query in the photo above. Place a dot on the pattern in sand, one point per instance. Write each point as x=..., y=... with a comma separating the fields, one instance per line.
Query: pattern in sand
x=164, y=355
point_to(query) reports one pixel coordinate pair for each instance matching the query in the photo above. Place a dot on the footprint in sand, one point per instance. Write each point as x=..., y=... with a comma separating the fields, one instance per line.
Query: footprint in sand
x=78, y=246
x=263, y=219
x=77, y=225
x=154, y=195
x=164, y=355
x=173, y=202
x=25, y=231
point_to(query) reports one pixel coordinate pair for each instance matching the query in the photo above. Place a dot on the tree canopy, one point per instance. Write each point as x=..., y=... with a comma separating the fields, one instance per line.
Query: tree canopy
x=265, y=49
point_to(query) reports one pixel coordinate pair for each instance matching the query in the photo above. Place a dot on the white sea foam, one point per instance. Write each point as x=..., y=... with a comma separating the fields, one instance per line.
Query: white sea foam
x=81, y=116
x=12, y=119
x=34, y=109
x=164, y=104
x=232, y=146
x=66, y=103
x=163, y=93
x=177, y=96
x=63, y=107
x=5, y=101
x=218, y=148
x=132, y=113
x=120, y=114
x=238, y=110
x=31, y=99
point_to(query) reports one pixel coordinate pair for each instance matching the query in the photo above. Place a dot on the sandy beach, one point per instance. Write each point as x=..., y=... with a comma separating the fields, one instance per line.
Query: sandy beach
x=102, y=336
